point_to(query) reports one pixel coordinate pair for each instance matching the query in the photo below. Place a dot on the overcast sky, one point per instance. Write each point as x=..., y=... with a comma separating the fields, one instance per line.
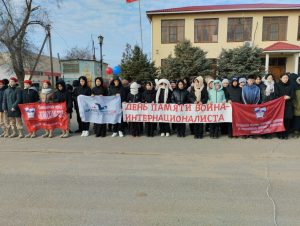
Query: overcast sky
x=75, y=21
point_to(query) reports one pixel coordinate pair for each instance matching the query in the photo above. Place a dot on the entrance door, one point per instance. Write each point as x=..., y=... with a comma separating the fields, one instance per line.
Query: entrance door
x=277, y=71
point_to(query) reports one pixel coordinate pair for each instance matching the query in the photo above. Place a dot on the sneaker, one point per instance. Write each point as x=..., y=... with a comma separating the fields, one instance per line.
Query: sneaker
x=121, y=134
x=83, y=133
x=167, y=134
x=86, y=134
x=114, y=135
x=162, y=134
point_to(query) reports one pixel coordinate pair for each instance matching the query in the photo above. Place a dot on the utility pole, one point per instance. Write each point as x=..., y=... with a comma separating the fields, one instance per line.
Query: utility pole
x=48, y=29
x=100, y=38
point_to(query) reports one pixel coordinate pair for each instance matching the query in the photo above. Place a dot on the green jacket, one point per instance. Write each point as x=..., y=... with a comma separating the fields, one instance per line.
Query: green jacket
x=12, y=97
x=216, y=96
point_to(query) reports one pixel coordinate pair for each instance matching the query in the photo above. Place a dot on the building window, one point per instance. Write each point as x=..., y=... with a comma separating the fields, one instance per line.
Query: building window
x=239, y=29
x=70, y=68
x=172, y=31
x=275, y=28
x=206, y=30
x=298, y=29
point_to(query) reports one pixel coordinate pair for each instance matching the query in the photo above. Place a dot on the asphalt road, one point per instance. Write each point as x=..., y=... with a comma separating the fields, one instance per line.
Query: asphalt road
x=148, y=181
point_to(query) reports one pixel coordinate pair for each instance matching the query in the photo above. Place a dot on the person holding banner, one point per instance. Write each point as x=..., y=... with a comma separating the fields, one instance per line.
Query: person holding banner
x=215, y=96
x=198, y=95
x=99, y=90
x=12, y=97
x=251, y=92
x=180, y=96
x=135, y=96
x=163, y=96
x=149, y=97
x=285, y=89
x=30, y=95
x=83, y=89
x=297, y=107
x=116, y=89
x=46, y=96
x=3, y=115
x=62, y=95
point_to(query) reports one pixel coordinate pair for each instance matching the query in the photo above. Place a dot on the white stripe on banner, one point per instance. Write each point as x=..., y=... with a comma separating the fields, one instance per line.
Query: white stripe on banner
x=173, y=113
x=100, y=109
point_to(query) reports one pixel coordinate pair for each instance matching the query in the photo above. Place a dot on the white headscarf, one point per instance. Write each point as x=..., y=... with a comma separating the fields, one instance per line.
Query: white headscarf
x=198, y=88
x=167, y=88
x=134, y=88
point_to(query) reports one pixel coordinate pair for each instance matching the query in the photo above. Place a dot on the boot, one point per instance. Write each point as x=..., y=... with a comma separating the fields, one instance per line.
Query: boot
x=3, y=133
x=46, y=134
x=50, y=134
x=21, y=135
x=28, y=135
x=62, y=134
x=66, y=135
x=6, y=132
x=33, y=135
x=14, y=133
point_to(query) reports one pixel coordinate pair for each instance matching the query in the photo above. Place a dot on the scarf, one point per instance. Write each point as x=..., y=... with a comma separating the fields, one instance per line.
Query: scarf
x=166, y=90
x=269, y=88
x=198, y=88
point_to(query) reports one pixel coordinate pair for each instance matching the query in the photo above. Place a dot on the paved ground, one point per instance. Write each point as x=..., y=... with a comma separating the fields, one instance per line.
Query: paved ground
x=143, y=181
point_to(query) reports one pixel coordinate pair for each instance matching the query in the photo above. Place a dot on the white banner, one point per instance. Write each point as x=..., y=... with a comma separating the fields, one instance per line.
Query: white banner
x=100, y=109
x=173, y=113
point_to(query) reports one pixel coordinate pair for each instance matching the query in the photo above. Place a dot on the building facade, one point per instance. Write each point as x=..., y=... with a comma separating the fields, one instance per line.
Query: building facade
x=273, y=27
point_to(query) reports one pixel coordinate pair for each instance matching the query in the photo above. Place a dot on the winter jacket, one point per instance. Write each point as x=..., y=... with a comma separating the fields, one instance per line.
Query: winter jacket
x=81, y=90
x=149, y=96
x=162, y=96
x=12, y=97
x=30, y=95
x=99, y=91
x=1, y=97
x=216, y=96
x=204, y=95
x=235, y=93
x=264, y=95
x=297, y=102
x=63, y=95
x=46, y=95
x=134, y=98
x=180, y=96
x=286, y=89
x=251, y=94
x=114, y=90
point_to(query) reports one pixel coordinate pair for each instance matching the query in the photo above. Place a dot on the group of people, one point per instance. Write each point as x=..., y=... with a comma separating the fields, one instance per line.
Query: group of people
x=199, y=90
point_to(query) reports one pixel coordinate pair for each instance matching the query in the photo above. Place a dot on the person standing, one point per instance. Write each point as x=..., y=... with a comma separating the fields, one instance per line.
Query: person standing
x=285, y=89
x=297, y=107
x=30, y=95
x=3, y=115
x=148, y=97
x=251, y=92
x=12, y=97
x=135, y=96
x=63, y=95
x=198, y=95
x=99, y=90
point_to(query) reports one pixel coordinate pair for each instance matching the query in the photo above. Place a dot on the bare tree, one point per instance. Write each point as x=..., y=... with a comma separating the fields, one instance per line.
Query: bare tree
x=79, y=53
x=16, y=18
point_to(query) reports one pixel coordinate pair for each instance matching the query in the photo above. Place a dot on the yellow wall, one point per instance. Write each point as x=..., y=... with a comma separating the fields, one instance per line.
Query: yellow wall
x=161, y=51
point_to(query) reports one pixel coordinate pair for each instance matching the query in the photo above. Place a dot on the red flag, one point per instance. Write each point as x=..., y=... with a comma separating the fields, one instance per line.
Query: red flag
x=130, y=1
x=44, y=116
x=255, y=119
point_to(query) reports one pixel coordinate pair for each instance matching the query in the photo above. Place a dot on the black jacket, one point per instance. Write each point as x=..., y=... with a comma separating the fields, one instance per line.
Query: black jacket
x=149, y=96
x=63, y=96
x=81, y=90
x=114, y=90
x=286, y=89
x=12, y=97
x=134, y=98
x=180, y=96
x=162, y=96
x=100, y=91
x=1, y=97
x=235, y=93
x=30, y=95
x=204, y=95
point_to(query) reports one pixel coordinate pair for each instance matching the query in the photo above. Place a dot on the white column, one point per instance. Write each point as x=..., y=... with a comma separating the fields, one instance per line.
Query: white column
x=296, y=56
x=267, y=63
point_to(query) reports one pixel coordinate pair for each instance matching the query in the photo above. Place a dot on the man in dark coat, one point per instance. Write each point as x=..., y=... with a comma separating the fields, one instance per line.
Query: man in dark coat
x=3, y=115
x=13, y=97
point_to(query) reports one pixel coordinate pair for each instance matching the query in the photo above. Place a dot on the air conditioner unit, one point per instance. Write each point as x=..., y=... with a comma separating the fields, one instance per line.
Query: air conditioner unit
x=248, y=43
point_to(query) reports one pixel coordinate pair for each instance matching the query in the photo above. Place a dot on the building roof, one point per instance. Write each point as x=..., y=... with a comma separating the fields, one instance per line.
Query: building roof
x=282, y=46
x=225, y=8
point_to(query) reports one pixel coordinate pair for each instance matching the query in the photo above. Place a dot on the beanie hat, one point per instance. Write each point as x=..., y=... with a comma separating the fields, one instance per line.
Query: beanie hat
x=14, y=79
x=28, y=82
x=225, y=80
x=47, y=81
x=242, y=80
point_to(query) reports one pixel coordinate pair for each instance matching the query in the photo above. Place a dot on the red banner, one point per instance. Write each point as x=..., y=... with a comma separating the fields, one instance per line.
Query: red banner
x=258, y=119
x=44, y=116
x=130, y=1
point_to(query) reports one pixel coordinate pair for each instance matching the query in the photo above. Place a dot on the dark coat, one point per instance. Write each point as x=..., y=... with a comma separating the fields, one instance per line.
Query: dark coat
x=149, y=96
x=63, y=95
x=12, y=97
x=162, y=95
x=272, y=96
x=99, y=91
x=1, y=97
x=235, y=93
x=81, y=90
x=286, y=89
x=180, y=96
x=114, y=90
x=134, y=98
x=204, y=96
x=30, y=95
